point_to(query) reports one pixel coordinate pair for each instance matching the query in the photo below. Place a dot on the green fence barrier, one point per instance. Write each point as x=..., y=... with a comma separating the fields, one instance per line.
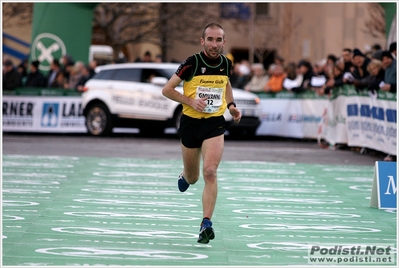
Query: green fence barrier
x=41, y=92
x=345, y=90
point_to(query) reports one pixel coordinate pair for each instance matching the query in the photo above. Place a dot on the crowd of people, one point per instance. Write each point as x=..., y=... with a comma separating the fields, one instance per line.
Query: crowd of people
x=373, y=71
x=64, y=73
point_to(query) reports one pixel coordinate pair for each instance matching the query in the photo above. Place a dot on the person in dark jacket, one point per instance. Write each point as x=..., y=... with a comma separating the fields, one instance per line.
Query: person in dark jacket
x=306, y=70
x=360, y=73
x=389, y=65
x=11, y=77
x=336, y=80
x=373, y=81
x=35, y=77
x=86, y=75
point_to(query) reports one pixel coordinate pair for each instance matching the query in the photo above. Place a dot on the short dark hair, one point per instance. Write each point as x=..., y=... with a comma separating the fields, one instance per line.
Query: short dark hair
x=332, y=57
x=56, y=62
x=392, y=47
x=377, y=46
x=211, y=25
x=347, y=49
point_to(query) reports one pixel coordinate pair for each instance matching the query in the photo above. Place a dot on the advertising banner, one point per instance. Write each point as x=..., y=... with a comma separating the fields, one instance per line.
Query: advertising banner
x=59, y=29
x=362, y=119
x=372, y=123
x=334, y=125
x=43, y=114
x=286, y=114
x=384, y=188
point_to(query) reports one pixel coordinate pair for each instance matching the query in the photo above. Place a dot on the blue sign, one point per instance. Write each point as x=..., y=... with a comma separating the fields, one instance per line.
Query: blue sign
x=240, y=11
x=49, y=114
x=386, y=184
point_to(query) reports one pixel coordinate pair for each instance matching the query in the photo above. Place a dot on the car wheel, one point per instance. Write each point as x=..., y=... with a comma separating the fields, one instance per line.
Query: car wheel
x=98, y=120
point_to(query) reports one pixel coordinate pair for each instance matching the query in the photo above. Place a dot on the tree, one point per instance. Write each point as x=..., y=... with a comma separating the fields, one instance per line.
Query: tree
x=375, y=25
x=157, y=23
x=22, y=11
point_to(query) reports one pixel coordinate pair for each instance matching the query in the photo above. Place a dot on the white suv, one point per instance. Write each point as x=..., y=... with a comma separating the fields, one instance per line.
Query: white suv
x=130, y=95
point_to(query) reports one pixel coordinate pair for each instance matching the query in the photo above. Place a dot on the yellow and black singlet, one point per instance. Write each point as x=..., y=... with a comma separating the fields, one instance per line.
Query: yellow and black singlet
x=205, y=78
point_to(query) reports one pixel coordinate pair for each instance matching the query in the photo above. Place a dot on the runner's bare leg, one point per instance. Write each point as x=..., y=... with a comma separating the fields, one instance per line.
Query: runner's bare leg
x=212, y=152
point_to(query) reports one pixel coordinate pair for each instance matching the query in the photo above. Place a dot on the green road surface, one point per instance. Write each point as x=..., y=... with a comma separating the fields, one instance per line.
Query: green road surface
x=76, y=211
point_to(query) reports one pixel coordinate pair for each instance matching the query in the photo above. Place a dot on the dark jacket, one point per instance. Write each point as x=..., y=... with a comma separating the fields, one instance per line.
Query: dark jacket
x=305, y=85
x=371, y=83
x=35, y=79
x=338, y=81
x=12, y=79
x=356, y=72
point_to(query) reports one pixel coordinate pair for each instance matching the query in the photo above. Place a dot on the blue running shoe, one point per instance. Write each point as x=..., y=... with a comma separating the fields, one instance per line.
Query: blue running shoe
x=182, y=183
x=206, y=232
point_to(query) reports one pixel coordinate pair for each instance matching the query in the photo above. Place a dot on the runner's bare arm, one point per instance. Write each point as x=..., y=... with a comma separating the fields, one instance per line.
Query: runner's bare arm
x=169, y=91
x=235, y=113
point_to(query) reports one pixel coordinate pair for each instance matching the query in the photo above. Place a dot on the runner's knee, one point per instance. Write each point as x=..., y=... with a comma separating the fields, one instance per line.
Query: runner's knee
x=210, y=174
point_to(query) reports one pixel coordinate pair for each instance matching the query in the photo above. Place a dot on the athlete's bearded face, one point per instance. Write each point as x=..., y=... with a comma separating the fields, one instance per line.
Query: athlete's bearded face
x=213, y=42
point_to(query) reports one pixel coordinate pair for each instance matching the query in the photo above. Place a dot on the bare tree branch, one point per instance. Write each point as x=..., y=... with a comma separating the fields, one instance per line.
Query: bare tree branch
x=23, y=11
x=375, y=26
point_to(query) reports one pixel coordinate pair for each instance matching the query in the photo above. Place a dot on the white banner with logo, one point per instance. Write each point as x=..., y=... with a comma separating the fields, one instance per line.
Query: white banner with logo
x=295, y=118
x=372, y=123
x=361, y=120
x=353, y=120
x=43, y=114
x=334, y=124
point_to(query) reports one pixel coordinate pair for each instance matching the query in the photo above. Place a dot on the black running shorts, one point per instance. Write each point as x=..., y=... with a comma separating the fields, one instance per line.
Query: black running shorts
x=194, y=131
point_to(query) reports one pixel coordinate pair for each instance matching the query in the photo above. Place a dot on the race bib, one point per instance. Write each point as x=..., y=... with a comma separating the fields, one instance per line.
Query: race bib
x=214, y=96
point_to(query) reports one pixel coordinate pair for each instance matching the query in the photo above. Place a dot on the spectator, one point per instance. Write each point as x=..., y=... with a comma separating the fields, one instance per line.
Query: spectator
x=258, y=79
x=372, y=82
x=279, y=60
x=390, y=78
x=35, y=77
x=319, y=68
x=22, y=69
x=392, y=49
x=275, y=83
x=360, y=73
x=74, y=77
x=376, y=75
x=80, y=65
x=336, y=80
x=293, y=78
x=331, y=62
x=66, y=62
x=86, y=75
x=376, y=51
x=147, y=57
x=241, y=74
x=11, y=77
x=347, y=58
x=158, y=58
x=60, y=81
x=54, y=69
x=305, y=69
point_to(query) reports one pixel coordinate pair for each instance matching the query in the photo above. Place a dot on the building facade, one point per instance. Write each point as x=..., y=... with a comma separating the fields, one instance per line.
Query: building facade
x=291, y=30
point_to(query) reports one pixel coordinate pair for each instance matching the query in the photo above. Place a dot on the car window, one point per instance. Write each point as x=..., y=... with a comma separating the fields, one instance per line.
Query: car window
x=131, y=75
x=104, y=75
x=149, y=73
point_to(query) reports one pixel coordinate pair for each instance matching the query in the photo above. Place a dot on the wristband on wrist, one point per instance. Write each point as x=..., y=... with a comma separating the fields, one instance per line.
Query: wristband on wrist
x=231, y=103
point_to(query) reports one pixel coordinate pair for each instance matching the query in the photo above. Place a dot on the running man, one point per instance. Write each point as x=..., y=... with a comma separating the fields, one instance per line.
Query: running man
x=207, y=94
